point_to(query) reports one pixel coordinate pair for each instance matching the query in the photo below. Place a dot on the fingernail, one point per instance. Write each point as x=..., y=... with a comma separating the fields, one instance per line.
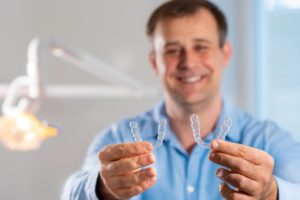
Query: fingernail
x=150, y=172
x=152, y=180
x=150, y=158
x=219, y=173
x=215, y=144
x=148, y=147
x=212, y=155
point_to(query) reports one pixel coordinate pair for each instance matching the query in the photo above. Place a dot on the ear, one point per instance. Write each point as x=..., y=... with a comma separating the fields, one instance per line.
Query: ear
x=227, y=53
x=152, y=61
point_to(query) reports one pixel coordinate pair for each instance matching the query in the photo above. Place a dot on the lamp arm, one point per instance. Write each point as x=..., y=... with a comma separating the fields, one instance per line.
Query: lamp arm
x=25, y=92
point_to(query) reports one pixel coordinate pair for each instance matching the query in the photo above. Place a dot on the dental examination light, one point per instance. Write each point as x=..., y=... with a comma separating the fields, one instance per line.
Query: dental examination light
x=19, y=128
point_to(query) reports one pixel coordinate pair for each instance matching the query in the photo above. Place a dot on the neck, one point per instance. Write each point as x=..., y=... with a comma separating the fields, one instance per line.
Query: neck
x=179, y=118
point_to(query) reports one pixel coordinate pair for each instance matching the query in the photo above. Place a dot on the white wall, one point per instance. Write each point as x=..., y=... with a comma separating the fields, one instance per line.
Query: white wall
x=113, y=31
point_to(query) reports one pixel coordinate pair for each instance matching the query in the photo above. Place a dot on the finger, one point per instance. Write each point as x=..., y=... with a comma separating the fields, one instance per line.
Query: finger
x=235, y=164
x=117, y=151
x=134, y=190
x=230, y=194
x=123, y=166
x=129, y=180
x=239, y=181
x=250, y=154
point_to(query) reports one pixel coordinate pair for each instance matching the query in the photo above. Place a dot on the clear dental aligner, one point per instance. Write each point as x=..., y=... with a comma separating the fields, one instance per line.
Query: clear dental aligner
x=195, y=124
x=135, y=131
x=225, y=128
x=161, y=132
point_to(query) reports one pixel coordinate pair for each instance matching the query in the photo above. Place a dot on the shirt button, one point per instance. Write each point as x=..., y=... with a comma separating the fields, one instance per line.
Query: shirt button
x=190, y=189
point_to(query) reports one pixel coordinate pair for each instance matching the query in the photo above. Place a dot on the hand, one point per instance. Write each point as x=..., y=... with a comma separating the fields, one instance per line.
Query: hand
x=121, y=168
x=249, y=170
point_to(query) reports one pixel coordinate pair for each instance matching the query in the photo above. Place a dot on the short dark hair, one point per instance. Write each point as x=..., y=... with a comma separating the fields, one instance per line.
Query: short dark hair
x=181, y=8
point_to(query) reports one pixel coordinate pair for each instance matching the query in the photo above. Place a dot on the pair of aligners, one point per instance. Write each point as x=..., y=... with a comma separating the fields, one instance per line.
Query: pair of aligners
x=195, y=124
x=161, y=132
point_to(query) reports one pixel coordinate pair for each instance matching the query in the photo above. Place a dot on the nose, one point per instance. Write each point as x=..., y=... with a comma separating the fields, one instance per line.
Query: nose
x=188, y=59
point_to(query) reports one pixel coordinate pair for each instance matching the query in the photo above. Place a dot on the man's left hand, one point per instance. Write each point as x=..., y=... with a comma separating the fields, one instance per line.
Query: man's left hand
x=248, y=170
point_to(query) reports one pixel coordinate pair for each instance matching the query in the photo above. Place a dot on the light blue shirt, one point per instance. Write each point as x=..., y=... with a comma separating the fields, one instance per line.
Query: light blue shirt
x=183, y=176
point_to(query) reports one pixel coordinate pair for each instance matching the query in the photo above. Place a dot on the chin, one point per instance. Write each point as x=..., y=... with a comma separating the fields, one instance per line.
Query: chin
x=191, y=99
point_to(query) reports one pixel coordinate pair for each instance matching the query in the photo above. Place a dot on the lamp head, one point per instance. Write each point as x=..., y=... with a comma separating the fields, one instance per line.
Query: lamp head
x=24, y=132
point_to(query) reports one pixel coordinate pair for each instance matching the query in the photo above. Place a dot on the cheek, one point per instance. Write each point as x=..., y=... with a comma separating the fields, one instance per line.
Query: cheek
x=167, y=65
x=206, y=56
x=214, y=62
x=208, y=60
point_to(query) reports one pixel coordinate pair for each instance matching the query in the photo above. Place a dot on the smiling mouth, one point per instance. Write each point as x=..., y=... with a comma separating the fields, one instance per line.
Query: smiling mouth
x=190, y=80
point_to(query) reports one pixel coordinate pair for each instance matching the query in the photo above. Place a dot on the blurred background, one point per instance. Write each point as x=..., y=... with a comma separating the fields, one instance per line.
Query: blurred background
x=262, y=78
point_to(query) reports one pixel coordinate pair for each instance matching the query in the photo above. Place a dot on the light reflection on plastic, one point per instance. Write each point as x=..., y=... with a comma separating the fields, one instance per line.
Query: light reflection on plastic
x=24, y=132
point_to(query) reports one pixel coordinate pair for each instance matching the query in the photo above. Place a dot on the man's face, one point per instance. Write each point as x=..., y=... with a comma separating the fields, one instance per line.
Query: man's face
x=188, y=58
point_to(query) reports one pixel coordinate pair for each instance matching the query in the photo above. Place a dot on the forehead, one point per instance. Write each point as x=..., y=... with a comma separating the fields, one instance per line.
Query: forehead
x=201, y=25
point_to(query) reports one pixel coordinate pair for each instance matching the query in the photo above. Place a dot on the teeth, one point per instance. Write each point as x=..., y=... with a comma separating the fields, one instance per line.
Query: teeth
x=191, y=79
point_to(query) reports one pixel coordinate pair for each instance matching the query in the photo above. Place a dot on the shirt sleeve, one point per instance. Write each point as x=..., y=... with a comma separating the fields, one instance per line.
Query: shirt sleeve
x=287, y=189
x=81, y=185
x=286, y=153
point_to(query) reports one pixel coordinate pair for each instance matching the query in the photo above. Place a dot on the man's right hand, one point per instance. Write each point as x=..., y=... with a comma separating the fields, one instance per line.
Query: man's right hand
x=121, y=168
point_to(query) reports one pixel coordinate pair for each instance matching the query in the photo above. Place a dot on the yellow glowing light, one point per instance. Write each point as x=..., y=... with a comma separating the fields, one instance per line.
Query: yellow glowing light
x=24, y=132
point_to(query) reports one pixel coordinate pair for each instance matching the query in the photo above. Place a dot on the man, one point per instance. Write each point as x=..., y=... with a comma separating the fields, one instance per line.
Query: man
x=189, y=53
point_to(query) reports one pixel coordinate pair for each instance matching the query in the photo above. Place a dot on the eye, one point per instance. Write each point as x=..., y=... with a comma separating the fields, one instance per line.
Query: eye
x=175, y=51
x=201, y=48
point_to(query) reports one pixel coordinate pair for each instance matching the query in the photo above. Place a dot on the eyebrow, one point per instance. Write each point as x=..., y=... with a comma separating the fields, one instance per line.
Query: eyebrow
x=200, y=40
x=171, y=43
x=197, y=40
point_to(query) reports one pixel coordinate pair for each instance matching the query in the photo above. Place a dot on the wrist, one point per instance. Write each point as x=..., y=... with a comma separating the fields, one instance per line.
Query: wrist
x=273, y=194
x=102, y=192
